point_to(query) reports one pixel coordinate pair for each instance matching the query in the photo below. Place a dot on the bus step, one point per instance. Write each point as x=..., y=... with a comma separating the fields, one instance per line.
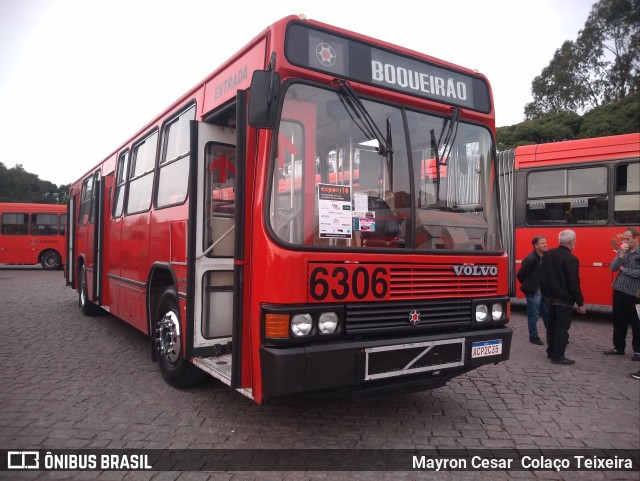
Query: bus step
x=217, y=366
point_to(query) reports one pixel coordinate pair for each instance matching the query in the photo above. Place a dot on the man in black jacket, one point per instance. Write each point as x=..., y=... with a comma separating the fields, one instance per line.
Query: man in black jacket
x=560, y=286
x=529, y=277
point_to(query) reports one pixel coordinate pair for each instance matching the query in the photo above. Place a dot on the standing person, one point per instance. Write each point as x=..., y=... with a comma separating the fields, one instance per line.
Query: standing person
x=529, y=277
x=560, y=286
x=626, y=289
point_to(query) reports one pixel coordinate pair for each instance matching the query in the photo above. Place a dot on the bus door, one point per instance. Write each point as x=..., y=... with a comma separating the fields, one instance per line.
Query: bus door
x=70, y=234
x=212, y=233
x=94, y=239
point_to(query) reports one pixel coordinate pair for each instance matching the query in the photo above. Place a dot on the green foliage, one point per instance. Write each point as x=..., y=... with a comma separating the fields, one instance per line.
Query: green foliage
x=622, y=117
x=552, y=127
x=18, y=185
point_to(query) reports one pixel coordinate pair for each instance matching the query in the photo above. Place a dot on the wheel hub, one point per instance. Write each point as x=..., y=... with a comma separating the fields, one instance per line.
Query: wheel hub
x=168, y=337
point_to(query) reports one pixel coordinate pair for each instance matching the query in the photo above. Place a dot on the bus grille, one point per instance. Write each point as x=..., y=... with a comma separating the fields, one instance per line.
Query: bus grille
x=437, y=281
x=393, y=317
x=411, y=358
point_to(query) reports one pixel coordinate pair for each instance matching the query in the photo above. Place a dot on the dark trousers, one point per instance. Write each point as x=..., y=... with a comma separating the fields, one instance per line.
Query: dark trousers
x=624, y=313
x=558, y=331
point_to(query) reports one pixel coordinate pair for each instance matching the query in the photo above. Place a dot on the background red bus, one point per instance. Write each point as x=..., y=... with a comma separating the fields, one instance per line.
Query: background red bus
x=319, y=214
x=591, y=186
x=32, y=234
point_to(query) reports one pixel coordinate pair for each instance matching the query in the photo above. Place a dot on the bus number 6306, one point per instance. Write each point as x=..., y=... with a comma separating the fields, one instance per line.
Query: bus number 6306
x=348, y=283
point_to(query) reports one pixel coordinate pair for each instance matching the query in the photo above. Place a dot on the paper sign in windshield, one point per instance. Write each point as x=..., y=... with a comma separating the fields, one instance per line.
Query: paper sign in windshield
x=334, y=203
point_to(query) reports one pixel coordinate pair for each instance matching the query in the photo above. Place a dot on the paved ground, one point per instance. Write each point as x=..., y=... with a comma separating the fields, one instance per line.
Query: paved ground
x=76, y=382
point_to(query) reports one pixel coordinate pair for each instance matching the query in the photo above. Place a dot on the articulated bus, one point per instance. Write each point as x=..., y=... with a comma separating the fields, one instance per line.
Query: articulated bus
x=591, y=186
x=320, y=214
x=33, y=234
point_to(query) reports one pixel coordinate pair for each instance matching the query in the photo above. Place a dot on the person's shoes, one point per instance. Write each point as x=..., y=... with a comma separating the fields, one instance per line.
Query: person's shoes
x=635, y=375
x=614, y=352
x=636, y=356
x=563, y=360
x=536, y=340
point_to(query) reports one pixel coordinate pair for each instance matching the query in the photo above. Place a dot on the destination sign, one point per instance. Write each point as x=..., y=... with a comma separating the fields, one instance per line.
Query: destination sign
x=353, y=59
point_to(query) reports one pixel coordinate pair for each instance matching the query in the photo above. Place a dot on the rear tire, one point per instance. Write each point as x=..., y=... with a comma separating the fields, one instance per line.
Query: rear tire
x=87, y=307
x=50, y=260
x=175, y=369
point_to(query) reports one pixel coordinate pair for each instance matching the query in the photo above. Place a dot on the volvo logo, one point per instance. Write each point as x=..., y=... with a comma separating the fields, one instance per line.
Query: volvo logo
x=466, y=270
x=414, y=317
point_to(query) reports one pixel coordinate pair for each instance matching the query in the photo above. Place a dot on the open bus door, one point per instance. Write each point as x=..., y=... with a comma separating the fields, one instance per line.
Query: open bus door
x=215, y=250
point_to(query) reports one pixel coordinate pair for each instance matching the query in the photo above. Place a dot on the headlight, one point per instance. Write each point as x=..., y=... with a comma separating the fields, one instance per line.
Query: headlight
x=496, y=312
x=301, y=325
x=482, y=313
x=328, y=323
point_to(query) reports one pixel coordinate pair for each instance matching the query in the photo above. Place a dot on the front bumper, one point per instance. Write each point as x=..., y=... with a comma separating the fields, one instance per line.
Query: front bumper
x=370, y=367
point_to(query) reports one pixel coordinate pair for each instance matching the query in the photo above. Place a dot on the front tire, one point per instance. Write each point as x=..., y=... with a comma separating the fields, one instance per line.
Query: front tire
x=175, y=369
x=87, y=307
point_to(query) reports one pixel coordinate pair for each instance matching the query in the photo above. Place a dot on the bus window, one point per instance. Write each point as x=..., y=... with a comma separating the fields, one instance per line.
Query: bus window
x=626, y=208
x=44, y=224
x=567, y=196
x=220, y=202
x=85, y=200
x=173, y=177
x=63, y=224
x=141, y=175
x=15, y=224
x=121, y=178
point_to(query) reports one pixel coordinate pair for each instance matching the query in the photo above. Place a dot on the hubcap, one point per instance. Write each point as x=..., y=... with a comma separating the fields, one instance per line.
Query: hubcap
x=168, y=337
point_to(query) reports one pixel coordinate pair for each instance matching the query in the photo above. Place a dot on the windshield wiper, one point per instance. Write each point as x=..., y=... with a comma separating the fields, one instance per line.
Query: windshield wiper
x=362, y=118
x=449, y=139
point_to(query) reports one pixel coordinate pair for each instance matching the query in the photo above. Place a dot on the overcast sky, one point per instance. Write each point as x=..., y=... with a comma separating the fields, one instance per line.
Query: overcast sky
x=78, y=77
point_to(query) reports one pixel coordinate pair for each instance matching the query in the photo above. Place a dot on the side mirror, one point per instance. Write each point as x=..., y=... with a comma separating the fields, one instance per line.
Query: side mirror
x=263, y=99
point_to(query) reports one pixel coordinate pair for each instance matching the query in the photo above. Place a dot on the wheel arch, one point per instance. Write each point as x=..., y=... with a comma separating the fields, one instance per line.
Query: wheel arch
x=161, y=276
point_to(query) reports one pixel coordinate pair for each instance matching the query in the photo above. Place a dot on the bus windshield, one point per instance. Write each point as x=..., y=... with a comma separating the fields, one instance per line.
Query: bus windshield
x=409, y=181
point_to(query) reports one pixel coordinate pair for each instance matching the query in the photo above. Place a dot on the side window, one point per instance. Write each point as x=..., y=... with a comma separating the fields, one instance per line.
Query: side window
x=567, y=196
x=173, y=177
x=121, y=179
x=63, y=224
x=44, y=224
x=626, y=206
x=143, y=157
x=15, y=224
x=85, y=201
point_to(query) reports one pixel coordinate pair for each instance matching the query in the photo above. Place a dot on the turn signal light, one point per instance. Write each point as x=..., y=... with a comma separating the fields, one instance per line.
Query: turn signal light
x=277, y=326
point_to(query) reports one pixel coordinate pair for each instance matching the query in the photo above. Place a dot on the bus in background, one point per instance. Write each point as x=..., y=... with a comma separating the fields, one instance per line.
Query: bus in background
x=32, y=234
x=591, y=186
x=320, y=214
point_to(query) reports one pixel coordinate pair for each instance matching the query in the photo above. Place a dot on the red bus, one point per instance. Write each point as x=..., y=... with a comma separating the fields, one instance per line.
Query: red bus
x=33, y=234
x=320, y=214
x=591, y=186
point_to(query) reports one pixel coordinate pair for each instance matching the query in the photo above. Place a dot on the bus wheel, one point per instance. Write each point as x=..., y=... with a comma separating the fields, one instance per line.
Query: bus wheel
x=50, y=260
x=176, y=370
x=87, y=307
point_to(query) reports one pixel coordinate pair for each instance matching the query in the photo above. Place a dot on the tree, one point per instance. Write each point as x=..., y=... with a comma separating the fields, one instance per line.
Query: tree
x=600, y=67
x=18, y=185
x=621, y=117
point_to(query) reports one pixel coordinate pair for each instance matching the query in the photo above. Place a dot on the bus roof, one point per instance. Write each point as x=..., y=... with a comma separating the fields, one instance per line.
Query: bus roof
x=576, y=151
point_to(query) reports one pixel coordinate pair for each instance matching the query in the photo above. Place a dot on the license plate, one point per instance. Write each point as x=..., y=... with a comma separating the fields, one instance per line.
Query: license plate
x=486, y=348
